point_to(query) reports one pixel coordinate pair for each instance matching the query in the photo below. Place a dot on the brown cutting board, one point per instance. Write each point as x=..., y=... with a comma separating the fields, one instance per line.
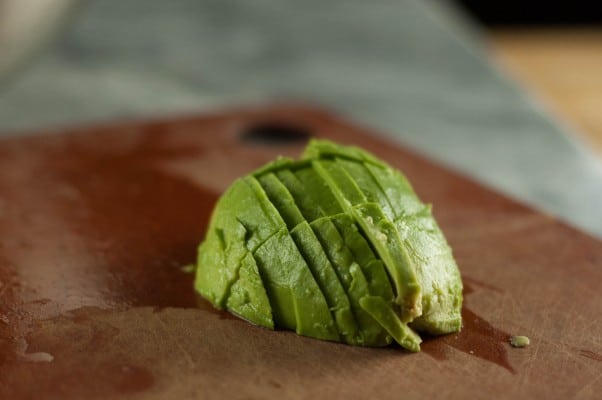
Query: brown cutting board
x=96, y=223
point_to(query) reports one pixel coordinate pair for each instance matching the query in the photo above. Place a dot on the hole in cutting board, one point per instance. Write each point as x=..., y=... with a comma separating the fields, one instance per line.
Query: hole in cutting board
x=275, y=133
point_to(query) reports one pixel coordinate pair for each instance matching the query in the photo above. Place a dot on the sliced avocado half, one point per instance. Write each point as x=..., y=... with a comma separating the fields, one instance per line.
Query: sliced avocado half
x=336, y=246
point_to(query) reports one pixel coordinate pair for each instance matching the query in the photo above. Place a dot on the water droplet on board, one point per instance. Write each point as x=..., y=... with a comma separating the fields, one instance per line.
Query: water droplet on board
x=21, y=346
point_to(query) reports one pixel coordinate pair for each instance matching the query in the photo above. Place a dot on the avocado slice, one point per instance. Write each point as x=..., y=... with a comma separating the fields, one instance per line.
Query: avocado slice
x=373, y=268
x=213, y=275
x=228, y=240
x=367, y=185
x=326, y=149
x=295, y=297
x=392, y=183
x=382, y=235
x=319, y=191
x=249, y=205
x=386, y=316
x=438, y=274
x=357, y=244
x=380, y=303
x=248, y=298
x=436, y=270
x=246, y=221
x=357, y=263
x=314, y=255
x=397, y=190
x=280, y=163
x=281, y=199
x=342, y=185
x=296, y=300
x=324, y=273
x=243, y=295
x=312, y=194
x=353, y=280
x=302, y=195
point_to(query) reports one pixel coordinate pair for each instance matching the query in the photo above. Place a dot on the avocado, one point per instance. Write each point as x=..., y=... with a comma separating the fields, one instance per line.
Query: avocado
x=367, y=185
x=312, y=194
x=342, y=185
x=297, y=302
x=295, y=297
x=381, y=233
x=324, y=273
x=228, y=240
x=373, y=268
x=437, y=272
x=335, y=246
x=398, y=191
x=380, y=304
x=311, y=250
x=248, y=298
x=386, y=316
x=319, y=191
x=281, y=199
x=302, y=195
x=352, y=278
x=425, y=245
x=370, y=275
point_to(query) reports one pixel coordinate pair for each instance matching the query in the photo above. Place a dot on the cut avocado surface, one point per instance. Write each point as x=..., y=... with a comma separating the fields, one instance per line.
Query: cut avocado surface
x=381, y=233
x=303, y=198
x=374, y=269
x=425, y=245
x=379, y=301
x=248, y=298
x=296, y=299
x=281, y=199
x=311, y=250
x=335, y=246
x=352, y=277
x=328, y=280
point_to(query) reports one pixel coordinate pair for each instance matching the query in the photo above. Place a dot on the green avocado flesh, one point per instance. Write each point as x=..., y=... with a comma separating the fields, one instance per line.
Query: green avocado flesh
x=335, y=246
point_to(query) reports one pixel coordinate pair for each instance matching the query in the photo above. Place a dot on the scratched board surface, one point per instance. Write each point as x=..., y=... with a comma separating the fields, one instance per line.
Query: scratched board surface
x=96, y=224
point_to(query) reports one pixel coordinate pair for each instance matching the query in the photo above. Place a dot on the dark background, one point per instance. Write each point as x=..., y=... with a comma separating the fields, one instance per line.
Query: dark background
x=496, y=13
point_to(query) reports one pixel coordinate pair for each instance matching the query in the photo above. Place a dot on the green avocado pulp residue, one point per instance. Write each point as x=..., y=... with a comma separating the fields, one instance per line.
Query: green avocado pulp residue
x=335, y=246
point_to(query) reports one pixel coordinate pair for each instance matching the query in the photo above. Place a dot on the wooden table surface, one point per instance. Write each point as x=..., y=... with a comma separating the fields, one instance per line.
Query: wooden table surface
x=563, y=70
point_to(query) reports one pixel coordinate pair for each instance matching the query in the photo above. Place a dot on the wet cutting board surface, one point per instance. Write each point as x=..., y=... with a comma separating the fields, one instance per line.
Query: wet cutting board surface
x=95, y=225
